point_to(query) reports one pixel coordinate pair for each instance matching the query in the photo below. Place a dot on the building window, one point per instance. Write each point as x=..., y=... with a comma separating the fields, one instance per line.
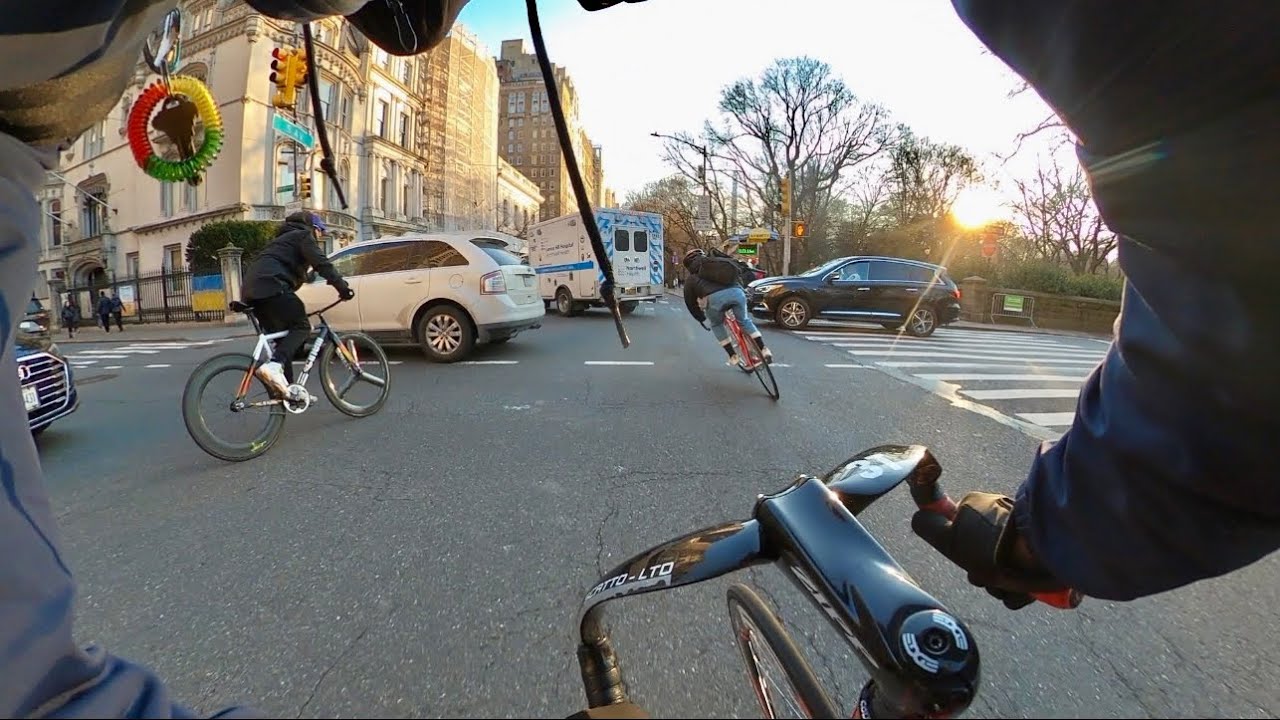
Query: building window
x=405, y=194
x=380, y=119
x=132, y=265
x=284, y=174
x=344, y=112
x=55, y=222
x=327, y=91
x=404, y=129
x=92, y=218
x=173, y=266
x=406, y=70
x=381, y=57
x=94, y=140
x=166, y=199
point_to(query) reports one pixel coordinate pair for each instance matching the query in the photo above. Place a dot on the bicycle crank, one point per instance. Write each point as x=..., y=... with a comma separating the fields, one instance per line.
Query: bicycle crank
x=298, y=399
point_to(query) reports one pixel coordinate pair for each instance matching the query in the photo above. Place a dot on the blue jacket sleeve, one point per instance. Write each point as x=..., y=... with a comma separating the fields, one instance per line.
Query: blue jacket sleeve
x=1166, y=476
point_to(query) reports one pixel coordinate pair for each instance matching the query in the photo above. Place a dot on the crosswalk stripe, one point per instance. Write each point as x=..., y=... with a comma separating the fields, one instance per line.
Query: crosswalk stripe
x=1021, y=393
x=970, y=356
x=1035, y=352
x=1049, y=419
x=985, y=340
x=1003, y=376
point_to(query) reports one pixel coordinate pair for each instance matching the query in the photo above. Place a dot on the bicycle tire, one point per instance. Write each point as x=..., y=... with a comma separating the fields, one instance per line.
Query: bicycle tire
x=762, y=369
x=384, y=372
x=745, y=606
x=194, y=420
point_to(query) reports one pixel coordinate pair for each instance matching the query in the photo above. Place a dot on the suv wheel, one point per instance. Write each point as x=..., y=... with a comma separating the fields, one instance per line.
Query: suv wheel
x=792, y=313
x=446, y=334
x=922, y=322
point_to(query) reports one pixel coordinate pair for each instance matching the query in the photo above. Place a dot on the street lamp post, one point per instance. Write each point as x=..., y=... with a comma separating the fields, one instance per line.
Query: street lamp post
x=702, y=176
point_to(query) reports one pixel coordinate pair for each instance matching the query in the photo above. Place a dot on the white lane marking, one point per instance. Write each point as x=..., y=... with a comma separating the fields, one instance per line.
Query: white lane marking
x=112, y=367
x=1050, y=418
x=987, y=366
x=394, y=362
x=1021, y=393
x=972, y=356
x=844, y=365
x=489, y=362
x=618, y=362
x=779, y=365
x=934, y=339
x=1003, y=376
x=158, y=365
x=1035, y=353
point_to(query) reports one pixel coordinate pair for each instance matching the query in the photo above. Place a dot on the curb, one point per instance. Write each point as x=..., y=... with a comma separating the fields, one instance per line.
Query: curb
x=146, y=338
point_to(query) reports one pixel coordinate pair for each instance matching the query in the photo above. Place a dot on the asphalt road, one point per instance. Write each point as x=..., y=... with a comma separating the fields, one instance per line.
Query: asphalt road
x=429, y=561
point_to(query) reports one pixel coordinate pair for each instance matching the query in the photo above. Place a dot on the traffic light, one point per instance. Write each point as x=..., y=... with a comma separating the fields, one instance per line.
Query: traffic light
x=304, y=187
x=298, y=72
x=786, y=196
x=281, y=77
x=799, y=228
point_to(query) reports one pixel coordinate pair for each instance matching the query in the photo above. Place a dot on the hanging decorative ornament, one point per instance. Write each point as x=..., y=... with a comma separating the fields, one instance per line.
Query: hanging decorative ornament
x=184, y=99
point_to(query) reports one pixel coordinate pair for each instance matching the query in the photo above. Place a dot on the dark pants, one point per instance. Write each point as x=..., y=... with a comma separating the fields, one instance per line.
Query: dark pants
x=119, y=316
x=284, y=312
x=106, y=321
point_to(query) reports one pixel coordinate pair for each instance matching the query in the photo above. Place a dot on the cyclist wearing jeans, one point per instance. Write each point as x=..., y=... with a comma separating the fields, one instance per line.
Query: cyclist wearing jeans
x=1166, y=476
x=717, y=282
x=271, y=284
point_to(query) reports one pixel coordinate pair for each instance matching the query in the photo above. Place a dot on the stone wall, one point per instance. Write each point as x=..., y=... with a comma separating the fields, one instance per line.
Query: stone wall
x=1053, y=312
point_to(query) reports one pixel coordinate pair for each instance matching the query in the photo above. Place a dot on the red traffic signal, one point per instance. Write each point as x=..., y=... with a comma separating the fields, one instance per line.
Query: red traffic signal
x=280, y=66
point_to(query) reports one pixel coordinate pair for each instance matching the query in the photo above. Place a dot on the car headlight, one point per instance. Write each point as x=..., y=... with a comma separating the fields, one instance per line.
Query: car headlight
x=764, y=289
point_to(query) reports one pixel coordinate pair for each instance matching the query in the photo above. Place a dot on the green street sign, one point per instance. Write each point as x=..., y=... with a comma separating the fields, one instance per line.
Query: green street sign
x=1013, y=303
x=748, y=249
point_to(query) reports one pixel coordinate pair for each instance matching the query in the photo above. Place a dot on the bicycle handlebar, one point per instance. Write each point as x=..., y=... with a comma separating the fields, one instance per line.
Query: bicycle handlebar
x=922, y=660
x=333, y=304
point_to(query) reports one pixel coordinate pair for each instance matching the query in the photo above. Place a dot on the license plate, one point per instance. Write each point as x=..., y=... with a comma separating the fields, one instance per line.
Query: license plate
x=30, y=398
x=630, y=291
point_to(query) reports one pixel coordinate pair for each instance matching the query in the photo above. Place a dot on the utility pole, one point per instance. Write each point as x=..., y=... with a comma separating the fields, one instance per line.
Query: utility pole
x=786, y=211
x=705, y=201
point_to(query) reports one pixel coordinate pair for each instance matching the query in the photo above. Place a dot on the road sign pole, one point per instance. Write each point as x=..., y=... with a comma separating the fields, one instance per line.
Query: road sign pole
x=786, y=247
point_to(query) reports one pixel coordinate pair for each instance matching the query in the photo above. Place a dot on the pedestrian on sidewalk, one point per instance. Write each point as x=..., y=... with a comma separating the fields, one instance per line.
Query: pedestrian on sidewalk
x=117, y=310
x=70, y=316
x=104, y=310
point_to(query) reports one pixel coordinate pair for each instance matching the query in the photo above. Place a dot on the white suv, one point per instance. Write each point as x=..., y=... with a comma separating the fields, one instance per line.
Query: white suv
x=443, y=291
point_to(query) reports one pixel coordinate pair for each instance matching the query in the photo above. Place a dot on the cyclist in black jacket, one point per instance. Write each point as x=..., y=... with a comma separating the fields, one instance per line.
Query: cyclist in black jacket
x=271, y=285
x=716, y=282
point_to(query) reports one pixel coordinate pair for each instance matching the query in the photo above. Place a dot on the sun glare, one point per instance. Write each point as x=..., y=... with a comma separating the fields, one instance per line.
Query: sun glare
x=977, y=206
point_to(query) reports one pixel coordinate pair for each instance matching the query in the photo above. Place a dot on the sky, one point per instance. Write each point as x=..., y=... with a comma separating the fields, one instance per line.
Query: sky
x=659, y=66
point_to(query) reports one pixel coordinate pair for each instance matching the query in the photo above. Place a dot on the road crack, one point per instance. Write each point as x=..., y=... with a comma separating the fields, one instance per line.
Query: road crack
x=613, y=512
x=1105, y=658
x=341, y=656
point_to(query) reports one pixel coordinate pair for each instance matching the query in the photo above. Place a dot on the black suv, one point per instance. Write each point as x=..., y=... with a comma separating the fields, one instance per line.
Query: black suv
x=891, y=291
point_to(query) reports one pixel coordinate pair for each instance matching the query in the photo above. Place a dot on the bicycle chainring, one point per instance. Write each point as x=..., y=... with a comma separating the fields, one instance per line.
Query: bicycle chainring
x=301, y=403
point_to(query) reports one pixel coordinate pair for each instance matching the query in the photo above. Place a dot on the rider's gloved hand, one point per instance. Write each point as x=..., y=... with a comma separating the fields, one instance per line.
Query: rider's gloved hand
x=983, y=540
x=346, y=293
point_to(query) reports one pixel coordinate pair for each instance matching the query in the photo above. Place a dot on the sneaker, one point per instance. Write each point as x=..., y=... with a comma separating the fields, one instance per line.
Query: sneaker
x=734, y=361
x=767, y=354
x=272, y=373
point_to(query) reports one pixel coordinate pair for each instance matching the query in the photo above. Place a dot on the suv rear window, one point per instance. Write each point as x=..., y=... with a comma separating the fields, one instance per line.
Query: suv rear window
x=498, y=251
x=34, y=306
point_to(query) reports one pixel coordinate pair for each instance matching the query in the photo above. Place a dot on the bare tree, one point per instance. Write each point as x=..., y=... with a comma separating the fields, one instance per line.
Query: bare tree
x=924, y=179
x=1059, y=220
x=797, y=118
x=1050, y=125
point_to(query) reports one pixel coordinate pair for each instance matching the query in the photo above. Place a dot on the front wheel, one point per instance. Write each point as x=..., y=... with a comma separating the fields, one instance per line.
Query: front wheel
x=784, y=683
x=225, y=386
x=922, y=322
x=365, y=364
x=793, y=313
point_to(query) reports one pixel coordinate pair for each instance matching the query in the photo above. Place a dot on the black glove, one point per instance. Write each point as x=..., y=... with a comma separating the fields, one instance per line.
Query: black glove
x=983, y=540
x=346, y=293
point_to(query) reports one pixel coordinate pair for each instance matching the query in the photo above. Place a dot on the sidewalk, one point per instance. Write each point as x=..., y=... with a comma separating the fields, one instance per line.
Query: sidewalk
x=968, y=325
x=155, y=332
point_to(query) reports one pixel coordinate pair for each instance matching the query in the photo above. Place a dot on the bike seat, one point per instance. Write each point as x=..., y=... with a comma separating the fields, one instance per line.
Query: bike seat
x=237, y=306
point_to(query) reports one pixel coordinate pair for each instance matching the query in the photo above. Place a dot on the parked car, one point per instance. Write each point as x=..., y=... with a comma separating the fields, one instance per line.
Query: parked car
x=445, y=292
x=894, y=292
x=37, y=313
x=48, y=386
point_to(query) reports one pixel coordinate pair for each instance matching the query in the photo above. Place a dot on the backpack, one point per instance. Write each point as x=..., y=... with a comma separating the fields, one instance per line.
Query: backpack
x=720, y=271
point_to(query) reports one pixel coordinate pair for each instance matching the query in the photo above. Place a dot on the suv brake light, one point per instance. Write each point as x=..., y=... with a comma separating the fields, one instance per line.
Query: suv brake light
x=956, y=293
x=493, y=283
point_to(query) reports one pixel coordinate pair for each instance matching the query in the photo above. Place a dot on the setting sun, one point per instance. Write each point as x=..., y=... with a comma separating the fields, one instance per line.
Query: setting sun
x=977, y=206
